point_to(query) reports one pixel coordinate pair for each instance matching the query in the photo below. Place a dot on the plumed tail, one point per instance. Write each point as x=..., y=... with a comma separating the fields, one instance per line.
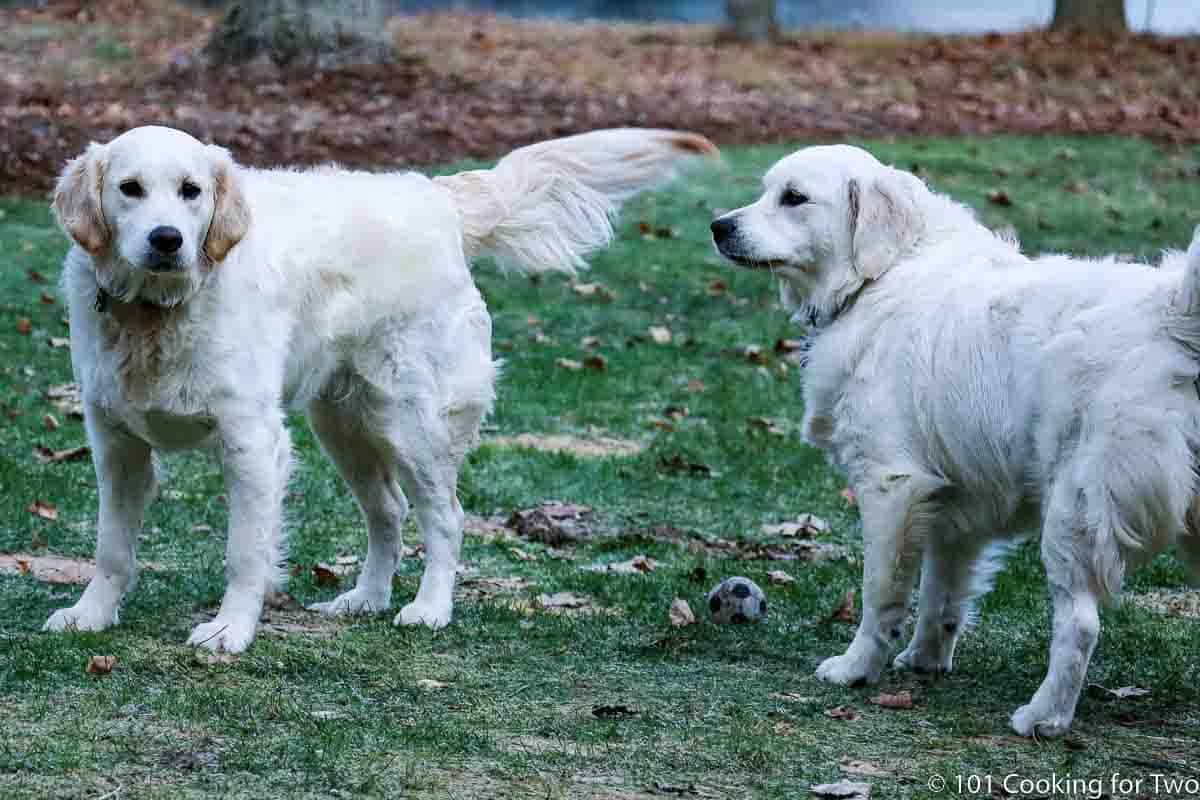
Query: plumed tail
x=546, y=206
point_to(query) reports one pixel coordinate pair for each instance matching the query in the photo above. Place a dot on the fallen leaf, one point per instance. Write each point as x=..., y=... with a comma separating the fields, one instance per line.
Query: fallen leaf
x=325, y=576
x=59, y=341
x=901, y=699
x=680, y=613
x=595, y=290
x=521, y=555
x=568, y=363
x=101, y=665
x=852, y=766
x=780, y=578
x=999, y=197
x=65, y=397
x=45, y=455
x=42, y=509
x=678, y=463
x=844, y=713
x=1181, y=603
x=36, y=276
x=675, y=412
x=848, y=496
x=754, y=354
x=613, y=712
x=695, y=386
x=638, y=565
x=24, y=326
x=211, y=659
x=1124, y=691
x=596, y=362
x=50, y=422
x=805, y=525
x=845, y=610
x=563, y=600
x=716, y=288
x=660, y=335
x=792, y=697
x=47, y=299
x=783, y=728
x=784, y=346
x=588, y=342
x=766, y=424
x=845, y=790
x=430, y=685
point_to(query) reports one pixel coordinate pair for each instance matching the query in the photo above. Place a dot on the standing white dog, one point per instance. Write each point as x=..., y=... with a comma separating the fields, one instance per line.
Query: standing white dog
x=970, y=395
x=207, y=298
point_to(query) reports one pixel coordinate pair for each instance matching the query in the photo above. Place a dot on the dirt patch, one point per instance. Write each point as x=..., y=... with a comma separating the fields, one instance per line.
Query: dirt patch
x=467, y=85
x=1181, y=603
x=597, y=447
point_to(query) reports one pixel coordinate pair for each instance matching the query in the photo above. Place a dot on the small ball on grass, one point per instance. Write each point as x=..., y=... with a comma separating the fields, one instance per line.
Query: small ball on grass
x=737, y=600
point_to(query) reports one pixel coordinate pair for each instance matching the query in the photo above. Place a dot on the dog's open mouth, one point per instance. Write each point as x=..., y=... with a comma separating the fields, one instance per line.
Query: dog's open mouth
x=752, y=263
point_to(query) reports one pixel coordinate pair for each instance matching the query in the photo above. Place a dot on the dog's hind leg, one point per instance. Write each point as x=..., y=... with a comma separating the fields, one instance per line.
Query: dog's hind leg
x=898, y=511
x=954, y=573
x=1075, y=592
x=429, y=462
x=368, y=464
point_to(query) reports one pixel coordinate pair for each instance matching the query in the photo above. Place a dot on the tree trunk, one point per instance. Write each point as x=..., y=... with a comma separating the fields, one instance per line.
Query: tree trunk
x=1091, y=16
x=751, y=20
x=302, y=33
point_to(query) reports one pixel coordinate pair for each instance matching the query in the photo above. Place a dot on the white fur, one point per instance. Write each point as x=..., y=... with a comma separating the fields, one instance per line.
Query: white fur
x=345, y=295
x=971, y=395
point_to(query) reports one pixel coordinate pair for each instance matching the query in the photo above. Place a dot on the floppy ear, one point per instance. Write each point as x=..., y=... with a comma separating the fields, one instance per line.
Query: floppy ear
x=231, y=213
x=77, y=200
x=885, y=221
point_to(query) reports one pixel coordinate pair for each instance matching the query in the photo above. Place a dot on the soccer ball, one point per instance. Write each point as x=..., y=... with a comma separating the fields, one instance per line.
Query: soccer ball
x=737, y=600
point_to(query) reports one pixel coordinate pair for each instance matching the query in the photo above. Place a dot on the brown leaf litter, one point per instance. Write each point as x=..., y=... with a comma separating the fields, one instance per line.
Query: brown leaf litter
x=581, y=446
x=553, y=523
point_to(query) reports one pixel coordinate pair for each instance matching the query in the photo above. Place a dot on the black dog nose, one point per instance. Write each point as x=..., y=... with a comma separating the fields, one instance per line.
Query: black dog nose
x=722, y=227
x=166, y=239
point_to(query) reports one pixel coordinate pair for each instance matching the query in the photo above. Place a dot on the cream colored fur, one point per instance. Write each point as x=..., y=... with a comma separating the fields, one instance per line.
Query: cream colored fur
x=972, y=395
x=343, y=294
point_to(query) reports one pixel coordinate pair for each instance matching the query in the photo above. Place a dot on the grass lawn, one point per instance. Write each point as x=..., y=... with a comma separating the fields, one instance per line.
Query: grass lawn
x=608, y=701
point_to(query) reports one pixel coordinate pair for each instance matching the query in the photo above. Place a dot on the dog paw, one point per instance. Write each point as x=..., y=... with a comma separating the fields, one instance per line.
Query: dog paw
x=422, y=614
x=81, y=618
x=847, y=670
x=223, y=635
x=922, y=662
x=354, y=601
x=1034, y=720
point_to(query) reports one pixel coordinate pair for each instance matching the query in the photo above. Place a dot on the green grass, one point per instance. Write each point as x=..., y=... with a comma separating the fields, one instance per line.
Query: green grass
x=337, y=710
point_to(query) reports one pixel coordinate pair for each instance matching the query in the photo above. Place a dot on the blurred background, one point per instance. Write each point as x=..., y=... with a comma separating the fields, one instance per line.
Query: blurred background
x=392, y=83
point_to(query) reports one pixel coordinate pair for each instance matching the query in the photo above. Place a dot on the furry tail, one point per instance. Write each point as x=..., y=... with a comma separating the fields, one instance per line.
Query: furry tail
x=545, y=206
x=1189, y=298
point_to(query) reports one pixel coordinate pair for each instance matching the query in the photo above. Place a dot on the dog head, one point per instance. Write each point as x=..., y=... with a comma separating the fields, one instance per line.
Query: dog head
x=830, y=219
x=155, y=209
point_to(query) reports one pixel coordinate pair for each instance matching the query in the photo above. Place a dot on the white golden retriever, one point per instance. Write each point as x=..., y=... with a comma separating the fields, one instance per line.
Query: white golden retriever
x=207, y=298
x=970, y=395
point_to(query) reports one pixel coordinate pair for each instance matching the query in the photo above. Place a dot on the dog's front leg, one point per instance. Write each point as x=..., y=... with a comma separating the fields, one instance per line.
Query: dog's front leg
x=896, y=515
x=256, y=457
x=125, y=478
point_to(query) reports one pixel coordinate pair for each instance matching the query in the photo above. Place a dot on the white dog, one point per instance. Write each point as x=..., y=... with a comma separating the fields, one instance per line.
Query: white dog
x=970, y=395
x=207, y=298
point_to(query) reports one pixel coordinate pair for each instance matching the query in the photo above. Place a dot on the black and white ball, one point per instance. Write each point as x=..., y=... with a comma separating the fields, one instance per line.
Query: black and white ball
x=737, y=600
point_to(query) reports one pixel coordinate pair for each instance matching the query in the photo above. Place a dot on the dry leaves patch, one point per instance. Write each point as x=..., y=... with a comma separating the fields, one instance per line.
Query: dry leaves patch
x=580, y=446
x=680, y=613
x=47, y=568
x=638, y=565
x=1176, y=603
x=553, y=523
x=804, y=526
x=844, y=790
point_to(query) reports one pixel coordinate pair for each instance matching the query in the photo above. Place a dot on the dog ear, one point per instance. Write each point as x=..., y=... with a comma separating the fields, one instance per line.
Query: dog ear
x=885, y=222
x=77, y=202
x=231, y=212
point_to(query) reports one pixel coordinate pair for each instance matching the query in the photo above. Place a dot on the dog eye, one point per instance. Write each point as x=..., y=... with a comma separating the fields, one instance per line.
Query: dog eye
x=131, y=189
x=791, y=197
x=189, y=190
